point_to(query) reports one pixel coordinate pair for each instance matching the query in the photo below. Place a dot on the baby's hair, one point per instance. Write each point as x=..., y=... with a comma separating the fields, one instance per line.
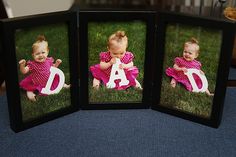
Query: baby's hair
x=193, y=41
x=118, y=37
x=40, y=40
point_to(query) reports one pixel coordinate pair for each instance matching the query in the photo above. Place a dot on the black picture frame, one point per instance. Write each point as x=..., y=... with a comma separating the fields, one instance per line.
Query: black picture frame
x=232, y=74
x=3, y=14
x=166, y=19
x=102, y=17
x=234, y=55
x=62, y=26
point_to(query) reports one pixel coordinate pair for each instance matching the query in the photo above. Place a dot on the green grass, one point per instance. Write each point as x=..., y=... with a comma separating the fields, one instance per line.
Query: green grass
x=57, y=37
x=98, y=35
x=179, y=98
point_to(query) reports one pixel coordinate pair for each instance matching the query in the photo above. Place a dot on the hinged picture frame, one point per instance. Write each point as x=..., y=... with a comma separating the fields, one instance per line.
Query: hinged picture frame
x=40, y=57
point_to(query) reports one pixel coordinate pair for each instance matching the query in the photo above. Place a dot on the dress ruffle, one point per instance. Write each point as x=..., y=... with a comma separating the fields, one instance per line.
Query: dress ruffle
x=131, y=75
x=28, y=84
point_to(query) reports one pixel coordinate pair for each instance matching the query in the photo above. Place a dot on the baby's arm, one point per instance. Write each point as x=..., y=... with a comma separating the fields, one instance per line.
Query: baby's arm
x=58, y=62
x=106, y=65
x=126, y=66
x=176, y=67
x=23, y=69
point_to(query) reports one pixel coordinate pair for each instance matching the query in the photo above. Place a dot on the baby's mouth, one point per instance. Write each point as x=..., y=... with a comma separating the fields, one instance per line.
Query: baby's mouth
x=41, y=59
x=186, y=57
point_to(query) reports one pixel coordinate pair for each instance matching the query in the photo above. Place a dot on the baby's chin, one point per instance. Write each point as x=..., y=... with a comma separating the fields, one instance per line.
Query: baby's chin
x=188, y=59
x=40, y=61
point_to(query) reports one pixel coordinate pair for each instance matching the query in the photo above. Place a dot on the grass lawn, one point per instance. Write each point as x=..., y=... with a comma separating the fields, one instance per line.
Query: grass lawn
x=57, y=37
x=98, y=35
x=210, y=43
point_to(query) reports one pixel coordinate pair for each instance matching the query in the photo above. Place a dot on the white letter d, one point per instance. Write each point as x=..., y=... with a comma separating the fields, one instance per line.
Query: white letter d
x=190, y=73
x=47, y=89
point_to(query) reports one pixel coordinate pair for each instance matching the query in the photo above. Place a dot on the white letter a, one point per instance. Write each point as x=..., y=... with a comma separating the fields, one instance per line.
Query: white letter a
x=117, y=73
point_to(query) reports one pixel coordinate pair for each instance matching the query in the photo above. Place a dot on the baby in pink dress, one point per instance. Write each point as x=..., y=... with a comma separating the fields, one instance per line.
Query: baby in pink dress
x=182, y=64
x=39, y=69
x=117, y=44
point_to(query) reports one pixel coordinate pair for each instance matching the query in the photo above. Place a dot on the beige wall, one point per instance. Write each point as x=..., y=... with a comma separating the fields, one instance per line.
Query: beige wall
x=30, y=7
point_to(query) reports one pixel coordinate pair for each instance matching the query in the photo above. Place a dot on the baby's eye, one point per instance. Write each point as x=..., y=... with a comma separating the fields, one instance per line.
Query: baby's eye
x=43, y=52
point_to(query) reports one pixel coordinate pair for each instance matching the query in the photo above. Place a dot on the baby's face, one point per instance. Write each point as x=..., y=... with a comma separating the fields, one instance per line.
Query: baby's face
x=117, y=51
x=190, y=53
x=40, y=53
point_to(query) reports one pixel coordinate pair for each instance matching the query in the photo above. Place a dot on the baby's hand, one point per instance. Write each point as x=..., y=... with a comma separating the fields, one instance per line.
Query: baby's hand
x=184, y=70
x=112, y=61
x=22, y=62
x=121, y=66
x=58, y=61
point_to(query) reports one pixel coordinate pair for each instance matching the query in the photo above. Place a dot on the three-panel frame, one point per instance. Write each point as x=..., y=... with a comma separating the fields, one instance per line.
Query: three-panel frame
x=173, y=63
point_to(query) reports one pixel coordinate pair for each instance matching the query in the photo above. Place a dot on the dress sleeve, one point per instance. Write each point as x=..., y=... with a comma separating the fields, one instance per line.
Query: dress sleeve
x=105, y=57
x=30, y=65
x=50, y=60
x=177, y=61
x=130, y=57
x=199, y=64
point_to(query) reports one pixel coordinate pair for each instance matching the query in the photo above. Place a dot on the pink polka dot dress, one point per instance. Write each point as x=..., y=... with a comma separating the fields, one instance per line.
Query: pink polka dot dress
x=38, y=77
x=180, y=77
x=104, y=75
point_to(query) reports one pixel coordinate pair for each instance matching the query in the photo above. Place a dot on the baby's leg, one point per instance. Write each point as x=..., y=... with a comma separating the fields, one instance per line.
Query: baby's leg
x=138, y=85
x=173, y=82
x=209, y=93
x=96, y=83
x=67, y=86
x=31, y=95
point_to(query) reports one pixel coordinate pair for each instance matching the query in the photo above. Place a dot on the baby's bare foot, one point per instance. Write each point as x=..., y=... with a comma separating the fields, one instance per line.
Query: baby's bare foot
x=138, y=85
x=209, y=93
x=67, y=86
x=96, y=84
x=173, y=83
x=31, y=96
